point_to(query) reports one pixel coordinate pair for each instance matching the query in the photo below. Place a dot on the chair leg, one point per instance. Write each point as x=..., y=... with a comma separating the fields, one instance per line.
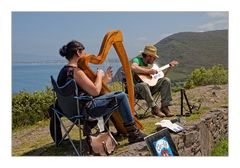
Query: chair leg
x=80, y=138
x=156, y=97
x=145, y=112
x=139, y=105
x=70, y=139
x=145, y=109
x=67, y=131
x=55, y=129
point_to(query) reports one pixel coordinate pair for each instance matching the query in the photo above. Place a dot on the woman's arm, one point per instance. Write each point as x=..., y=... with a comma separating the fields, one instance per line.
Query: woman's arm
x=92, y=88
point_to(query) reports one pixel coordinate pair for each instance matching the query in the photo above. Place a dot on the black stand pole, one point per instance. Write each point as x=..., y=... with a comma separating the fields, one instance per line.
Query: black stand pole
x=189, y=107
x=183, y=95
x=181, y=102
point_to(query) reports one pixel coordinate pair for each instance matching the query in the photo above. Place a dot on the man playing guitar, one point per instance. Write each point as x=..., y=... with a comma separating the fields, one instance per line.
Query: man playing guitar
x=145, y=89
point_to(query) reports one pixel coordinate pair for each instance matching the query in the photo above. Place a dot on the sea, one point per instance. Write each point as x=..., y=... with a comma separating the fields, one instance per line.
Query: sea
x=33, y=77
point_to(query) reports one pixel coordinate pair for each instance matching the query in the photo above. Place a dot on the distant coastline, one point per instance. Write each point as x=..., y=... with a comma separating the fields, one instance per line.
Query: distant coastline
x=40, y=62
x=35, y=75
x=109, y=60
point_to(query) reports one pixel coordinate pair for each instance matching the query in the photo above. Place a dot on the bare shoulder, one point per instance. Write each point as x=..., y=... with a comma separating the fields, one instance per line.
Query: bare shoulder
x=78, y=70
x=79, y=73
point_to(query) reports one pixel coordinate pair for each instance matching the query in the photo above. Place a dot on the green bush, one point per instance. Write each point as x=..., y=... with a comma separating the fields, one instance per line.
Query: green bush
x=221, y=148
x=29, y=108
x=216, y=75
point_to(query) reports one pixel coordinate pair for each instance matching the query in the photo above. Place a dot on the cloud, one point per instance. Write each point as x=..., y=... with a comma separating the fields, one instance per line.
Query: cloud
x=218, y=20
x=218, y=14
x=141, y=39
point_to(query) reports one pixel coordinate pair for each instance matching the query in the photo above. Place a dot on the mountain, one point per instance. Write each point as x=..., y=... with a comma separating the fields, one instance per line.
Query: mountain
x=193, y=50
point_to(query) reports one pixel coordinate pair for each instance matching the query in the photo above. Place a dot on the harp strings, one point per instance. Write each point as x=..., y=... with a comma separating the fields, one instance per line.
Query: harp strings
x=112, y=61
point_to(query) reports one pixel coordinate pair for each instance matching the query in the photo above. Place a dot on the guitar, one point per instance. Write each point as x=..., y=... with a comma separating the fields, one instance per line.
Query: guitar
x=152, y=79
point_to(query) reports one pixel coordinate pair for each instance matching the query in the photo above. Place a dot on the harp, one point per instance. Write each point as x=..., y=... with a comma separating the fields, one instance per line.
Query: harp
x=113, y=38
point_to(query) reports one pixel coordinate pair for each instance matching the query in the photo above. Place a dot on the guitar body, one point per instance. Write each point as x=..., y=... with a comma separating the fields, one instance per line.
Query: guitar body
x=152, y=80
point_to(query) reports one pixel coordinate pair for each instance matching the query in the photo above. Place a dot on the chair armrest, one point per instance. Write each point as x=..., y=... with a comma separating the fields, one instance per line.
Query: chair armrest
x=84, y=98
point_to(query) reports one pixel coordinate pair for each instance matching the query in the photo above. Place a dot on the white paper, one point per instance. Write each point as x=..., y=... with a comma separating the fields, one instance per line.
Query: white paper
x=100, y=124
x=168, y=124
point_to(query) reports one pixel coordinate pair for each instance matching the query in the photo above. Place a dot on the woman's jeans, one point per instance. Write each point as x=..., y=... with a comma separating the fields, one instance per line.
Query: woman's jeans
x=107, y=103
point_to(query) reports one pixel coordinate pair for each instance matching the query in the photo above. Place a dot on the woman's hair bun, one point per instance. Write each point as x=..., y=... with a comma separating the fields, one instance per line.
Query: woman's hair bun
x=70, y=49
x=63, y=51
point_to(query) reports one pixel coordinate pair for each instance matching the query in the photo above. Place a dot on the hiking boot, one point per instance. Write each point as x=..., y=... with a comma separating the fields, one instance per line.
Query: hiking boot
x=166, y=111
x=156, y=112
x=134, y=134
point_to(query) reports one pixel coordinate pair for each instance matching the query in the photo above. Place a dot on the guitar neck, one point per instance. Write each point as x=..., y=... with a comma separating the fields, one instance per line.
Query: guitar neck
x=164, y=67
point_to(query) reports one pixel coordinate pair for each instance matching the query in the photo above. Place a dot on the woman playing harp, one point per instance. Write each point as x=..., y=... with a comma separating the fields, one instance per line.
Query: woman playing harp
x=73, y=51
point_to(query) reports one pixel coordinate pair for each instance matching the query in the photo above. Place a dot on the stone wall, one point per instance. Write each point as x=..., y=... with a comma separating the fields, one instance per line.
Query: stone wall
x=197, y=139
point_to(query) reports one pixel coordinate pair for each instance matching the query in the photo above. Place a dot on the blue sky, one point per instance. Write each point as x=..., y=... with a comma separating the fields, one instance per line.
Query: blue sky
x=39, y=35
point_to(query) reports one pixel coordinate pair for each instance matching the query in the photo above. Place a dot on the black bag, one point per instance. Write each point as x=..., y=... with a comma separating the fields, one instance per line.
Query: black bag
x=58, y=126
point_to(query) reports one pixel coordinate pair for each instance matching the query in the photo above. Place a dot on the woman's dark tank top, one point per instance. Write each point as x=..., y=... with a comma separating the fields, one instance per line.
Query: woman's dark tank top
x=65, y=75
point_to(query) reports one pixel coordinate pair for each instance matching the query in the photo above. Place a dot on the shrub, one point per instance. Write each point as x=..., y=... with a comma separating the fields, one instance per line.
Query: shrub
x=215, y=75
x=221, y=148
x=29, y=108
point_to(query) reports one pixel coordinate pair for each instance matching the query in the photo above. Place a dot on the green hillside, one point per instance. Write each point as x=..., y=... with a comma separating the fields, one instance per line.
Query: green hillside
x=193, y=50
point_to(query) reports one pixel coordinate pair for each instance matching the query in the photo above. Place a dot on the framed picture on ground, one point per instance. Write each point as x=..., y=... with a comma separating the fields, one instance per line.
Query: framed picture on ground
x=161, y=144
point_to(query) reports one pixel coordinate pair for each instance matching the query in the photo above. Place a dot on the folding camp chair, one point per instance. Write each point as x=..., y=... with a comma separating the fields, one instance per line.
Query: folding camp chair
x=72, y=106
x=138, y=98
x=145, y=109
